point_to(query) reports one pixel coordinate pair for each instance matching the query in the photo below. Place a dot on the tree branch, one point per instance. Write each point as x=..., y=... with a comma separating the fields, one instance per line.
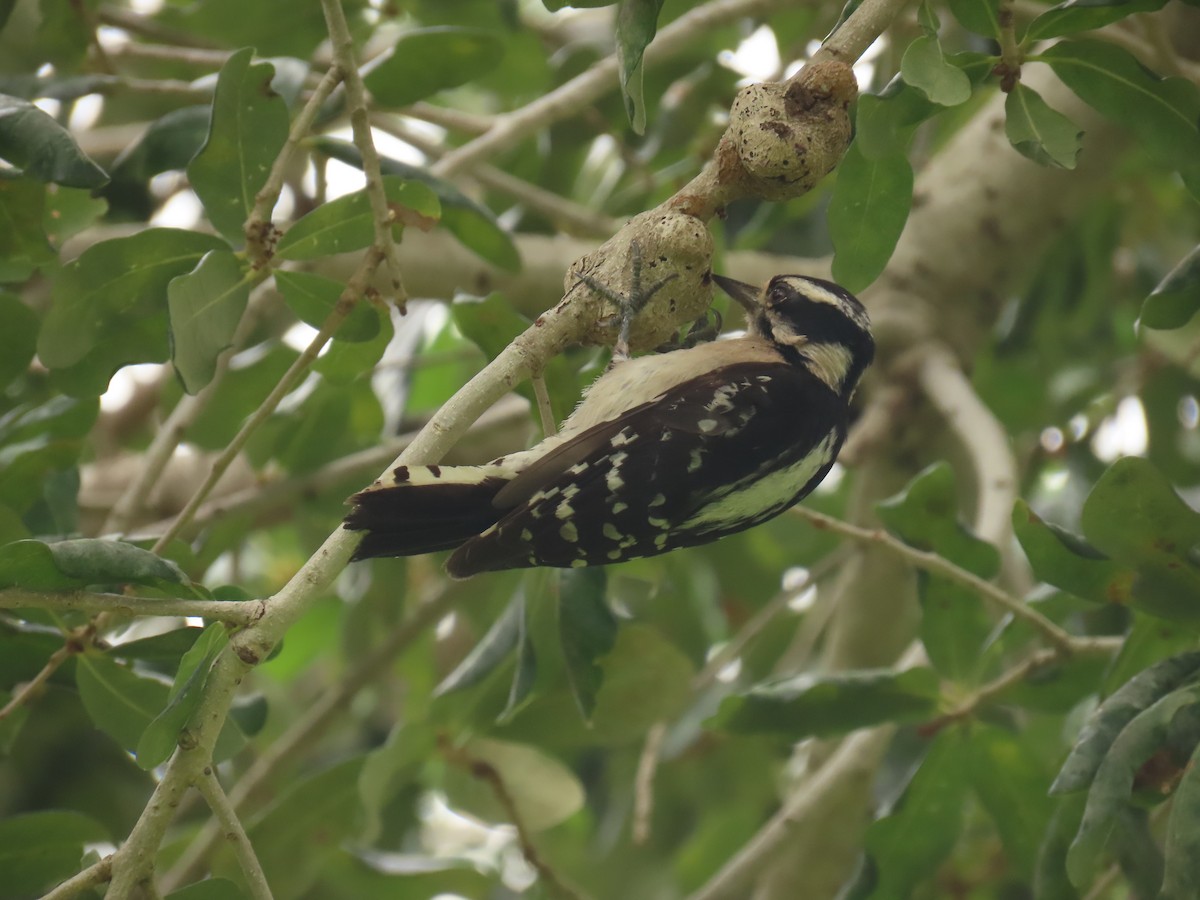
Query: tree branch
x=236, y=612
x=982, y=436
x=939, y=565
x=360, y=123
x=235, y=833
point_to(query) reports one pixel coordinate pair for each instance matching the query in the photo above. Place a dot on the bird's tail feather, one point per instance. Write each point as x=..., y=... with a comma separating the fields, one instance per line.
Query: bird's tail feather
x=420, y=509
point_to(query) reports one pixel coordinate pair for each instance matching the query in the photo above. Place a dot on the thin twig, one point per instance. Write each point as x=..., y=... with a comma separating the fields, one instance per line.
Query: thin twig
x=256, y=880
x=26, y=692
x=135, y=23
x=486, y=772
x=301, y=733
x=456, y=119
x=571, y=217
x=258, y=236
x=277, y=495
x=643, y=782
x=168, y=437
x=95, y=874
x=584, y=89
x=360, y=124
x=981, y=435
x=643, y=797
x=236, y=612
x=857, y=758
x=358, y=284
x=545, y=410
x=939, y=565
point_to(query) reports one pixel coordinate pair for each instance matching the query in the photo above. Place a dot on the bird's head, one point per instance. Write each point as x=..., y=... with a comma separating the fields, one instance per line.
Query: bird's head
x=813, y=322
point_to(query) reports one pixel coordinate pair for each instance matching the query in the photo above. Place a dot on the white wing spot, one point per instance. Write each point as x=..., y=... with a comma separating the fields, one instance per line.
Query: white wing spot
x=578, y=469
x=578, y=563
x=621, y=438
x=610, y=531
x=695, y=461
x=656, y=522
x=563, y=510
x=660, y=541
x=526, y=535
x=613, y=480
x=659, y=500
x=619, y=507
x=707, y=425
x=569, y=532
x=570, y=491
x=615, y=554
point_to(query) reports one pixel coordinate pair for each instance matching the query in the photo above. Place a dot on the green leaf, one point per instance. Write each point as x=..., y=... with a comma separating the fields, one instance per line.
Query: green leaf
x=906, y=846
x=306, y=825
x=32, y=141
x=1181, y=878
x=1086, y=15
x=1112, y=787
x=110, y=304
x=77, y=563
x=925, y=68
x=1010, y=780
x=238, y=394
x=204, y=308
x=491, y=650
x=248, y=129
x=1038, y=132
x=70, y=211
x=1177, y=297
x=346, y=360
x=313, y=298
x=169, y=143
x=1068, y=561
x=427, y=60
x=1108, y=721
x=870, y=204
x=1134, y=516
x=979, y=16
x=18, y=337
x=543, y=790
x=22, y=236
x=474, y=225
x=588, y=631
x=159, y=739
x=823, y=705
x=1050, y=879
x=40, y=849
x=120, y=703
x=925, y=515
x=1162, y=112
x=347, y=223
x=637, y=23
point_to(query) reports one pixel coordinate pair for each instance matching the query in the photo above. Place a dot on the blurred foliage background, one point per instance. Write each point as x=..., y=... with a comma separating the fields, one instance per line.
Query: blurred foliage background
x=671, y=727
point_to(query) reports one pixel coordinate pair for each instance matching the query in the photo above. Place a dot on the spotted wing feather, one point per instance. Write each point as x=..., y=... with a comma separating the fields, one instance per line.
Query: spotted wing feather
x=714, y=455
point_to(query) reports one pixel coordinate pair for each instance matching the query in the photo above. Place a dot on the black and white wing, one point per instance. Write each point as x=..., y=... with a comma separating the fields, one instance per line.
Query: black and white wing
x=713, y=455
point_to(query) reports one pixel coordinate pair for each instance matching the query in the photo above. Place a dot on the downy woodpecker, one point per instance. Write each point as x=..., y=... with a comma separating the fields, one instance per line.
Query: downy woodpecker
x=664, y=451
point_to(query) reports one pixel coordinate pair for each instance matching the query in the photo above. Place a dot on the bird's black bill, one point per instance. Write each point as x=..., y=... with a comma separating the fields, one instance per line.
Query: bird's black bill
x=745, y=294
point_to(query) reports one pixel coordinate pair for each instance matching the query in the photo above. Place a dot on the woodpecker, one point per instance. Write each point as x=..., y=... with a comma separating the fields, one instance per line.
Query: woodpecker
x=664, y=451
